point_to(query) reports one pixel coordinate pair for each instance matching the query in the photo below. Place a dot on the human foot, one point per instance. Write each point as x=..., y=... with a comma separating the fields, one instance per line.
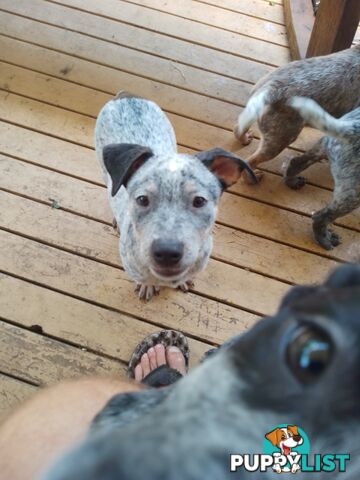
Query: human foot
x=156, y=357
x=165, y=350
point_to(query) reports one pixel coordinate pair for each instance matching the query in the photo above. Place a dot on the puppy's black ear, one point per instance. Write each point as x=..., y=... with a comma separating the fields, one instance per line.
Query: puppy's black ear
x=344, y=276
x=297, y=294
x=225, y=165
x=122, y=160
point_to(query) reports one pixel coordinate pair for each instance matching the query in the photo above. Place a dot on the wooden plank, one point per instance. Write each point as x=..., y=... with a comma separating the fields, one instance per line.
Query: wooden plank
x=86, y=101
x=237, y=212
x=110, y=287
x=74, y=160
x=299, y=17
x=48, y=361
x=35, y=147
x=310, y=199
x=344, y=17
x=217, y=274
x=159, y=17
x=88, y=326
x=257, y=8
x=133, y=38
x=96, y=241
x=12, y=393
x=89, y=102
x=171, y=99
x=111, y=78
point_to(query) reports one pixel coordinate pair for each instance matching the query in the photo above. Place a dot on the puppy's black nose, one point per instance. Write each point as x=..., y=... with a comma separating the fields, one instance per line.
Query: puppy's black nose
x=297, y=438
x=167, y=253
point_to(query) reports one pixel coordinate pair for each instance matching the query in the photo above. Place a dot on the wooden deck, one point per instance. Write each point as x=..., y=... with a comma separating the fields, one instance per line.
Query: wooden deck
x=66, y=306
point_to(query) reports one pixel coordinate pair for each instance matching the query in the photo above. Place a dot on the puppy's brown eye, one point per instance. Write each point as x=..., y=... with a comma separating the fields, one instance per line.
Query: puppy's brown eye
x=199, y=202
x=309, y=353
x=143, y=201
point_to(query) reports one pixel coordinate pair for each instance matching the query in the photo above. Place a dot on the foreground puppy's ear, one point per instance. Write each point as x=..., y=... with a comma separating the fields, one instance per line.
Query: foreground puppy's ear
x=274, y=436
x=225, y=165
x=344, y=276
x=122, y=160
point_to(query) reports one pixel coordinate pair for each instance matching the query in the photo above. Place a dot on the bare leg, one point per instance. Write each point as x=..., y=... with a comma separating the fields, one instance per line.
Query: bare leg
x=278, y=130
x=51, y=422
x=301, y=163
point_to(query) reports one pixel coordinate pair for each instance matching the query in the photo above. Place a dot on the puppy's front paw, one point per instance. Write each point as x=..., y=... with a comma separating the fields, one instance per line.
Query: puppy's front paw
x=327, y=239
x=146, y=292
x=295, y=183
x=185, y=287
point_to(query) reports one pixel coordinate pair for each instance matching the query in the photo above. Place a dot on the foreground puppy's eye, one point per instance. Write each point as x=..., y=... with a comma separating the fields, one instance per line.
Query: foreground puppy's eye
x=143, y=201
x=199, y=202
x=309, y=353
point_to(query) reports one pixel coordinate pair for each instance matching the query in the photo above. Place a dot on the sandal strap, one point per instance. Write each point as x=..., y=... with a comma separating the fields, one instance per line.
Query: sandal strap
x=162, y=376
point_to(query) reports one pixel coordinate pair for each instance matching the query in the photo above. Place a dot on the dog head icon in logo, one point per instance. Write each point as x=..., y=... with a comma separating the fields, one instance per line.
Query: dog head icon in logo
x=286, y=439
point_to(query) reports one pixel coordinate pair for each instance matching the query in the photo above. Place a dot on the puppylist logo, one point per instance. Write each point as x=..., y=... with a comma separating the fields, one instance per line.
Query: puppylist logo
x=287, y=450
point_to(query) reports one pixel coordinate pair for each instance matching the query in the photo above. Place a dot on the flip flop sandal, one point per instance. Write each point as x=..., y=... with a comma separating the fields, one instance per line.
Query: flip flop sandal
x=163, y=375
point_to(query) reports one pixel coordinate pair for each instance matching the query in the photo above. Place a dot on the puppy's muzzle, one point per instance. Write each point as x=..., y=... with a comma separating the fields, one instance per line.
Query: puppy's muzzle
x=167, y=255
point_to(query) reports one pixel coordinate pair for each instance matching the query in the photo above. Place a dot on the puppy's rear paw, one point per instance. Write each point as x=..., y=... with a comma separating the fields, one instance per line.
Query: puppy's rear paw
x=146, y=292
x=295, y=183
x=328, y=239
x=245, y=138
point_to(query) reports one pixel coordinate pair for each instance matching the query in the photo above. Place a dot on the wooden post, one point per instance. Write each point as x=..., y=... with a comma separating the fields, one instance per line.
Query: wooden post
x=335, y=26
x=299, y=19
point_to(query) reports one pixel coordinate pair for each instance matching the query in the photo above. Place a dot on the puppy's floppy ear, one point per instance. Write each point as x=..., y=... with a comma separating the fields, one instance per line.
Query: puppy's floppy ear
x=225, y=165
x=122, y=160
x=344, y=276
x=274, y=436
x=296, y=294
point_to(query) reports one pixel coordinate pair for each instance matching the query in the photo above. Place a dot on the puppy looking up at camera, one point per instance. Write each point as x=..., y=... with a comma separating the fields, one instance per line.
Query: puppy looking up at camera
x=164, y=203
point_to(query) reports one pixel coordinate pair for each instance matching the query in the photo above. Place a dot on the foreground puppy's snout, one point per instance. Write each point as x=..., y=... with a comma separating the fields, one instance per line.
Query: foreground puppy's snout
x=297, y=438
x=167, y=253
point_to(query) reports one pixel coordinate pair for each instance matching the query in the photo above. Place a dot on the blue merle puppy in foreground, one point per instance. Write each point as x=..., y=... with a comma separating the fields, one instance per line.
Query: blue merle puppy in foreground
x=299, y=367
x=164, y=203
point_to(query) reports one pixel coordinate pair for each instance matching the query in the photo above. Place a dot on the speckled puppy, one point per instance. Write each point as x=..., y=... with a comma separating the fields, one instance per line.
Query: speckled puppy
x=333, y=81
x=163, y=202
x=341, y=147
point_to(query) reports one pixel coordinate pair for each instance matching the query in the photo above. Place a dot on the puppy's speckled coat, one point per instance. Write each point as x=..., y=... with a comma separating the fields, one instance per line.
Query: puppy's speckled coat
x=333, y=81
x=158, y=196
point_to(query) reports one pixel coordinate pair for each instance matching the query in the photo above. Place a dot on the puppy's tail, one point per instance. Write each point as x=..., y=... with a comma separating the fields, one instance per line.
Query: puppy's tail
x=317, y=117
x=253, y=110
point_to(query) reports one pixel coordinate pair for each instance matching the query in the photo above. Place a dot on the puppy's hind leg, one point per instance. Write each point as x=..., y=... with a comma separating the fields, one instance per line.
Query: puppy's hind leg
x=278, y=130
x=249, y=115
x=295, y=165
x=343, y=203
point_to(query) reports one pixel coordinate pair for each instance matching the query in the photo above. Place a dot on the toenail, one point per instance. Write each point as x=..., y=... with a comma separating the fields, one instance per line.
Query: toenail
x=174, y=350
